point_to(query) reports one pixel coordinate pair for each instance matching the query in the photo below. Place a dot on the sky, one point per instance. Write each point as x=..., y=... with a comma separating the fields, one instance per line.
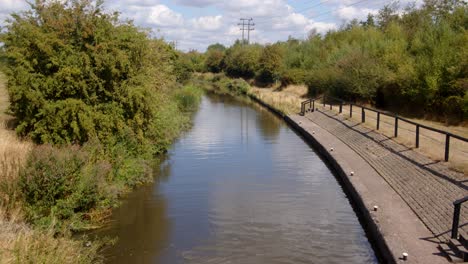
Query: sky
x=195, y=24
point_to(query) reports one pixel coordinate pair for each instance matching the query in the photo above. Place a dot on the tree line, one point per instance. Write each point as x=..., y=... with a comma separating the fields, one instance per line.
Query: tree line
x=413, y=61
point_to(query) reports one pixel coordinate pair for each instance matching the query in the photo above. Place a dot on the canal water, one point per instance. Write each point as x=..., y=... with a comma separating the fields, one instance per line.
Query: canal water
x=239, y=187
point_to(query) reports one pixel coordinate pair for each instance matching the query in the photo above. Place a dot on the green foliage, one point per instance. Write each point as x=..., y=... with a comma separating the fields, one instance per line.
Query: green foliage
x=53, y=186
x=292, y=76
x=415, y=61
x=188, y=98
x=76, y=72
x=101, y=92
x=270, y=63
x=217, y=46
x=214, y=60
x=242, y=60
x=221, y=84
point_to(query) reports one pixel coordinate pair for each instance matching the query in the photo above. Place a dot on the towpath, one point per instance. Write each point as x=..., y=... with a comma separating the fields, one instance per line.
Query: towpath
x=410, y=180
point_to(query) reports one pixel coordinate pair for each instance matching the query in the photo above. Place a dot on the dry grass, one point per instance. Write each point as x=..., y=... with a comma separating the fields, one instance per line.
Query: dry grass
x=13, y=153
x=432, y=144
x=21, y=244
x=18, y=242
x=287, y=100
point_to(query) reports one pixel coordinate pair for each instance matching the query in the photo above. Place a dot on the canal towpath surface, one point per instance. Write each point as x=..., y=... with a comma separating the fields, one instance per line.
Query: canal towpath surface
x=414, y=194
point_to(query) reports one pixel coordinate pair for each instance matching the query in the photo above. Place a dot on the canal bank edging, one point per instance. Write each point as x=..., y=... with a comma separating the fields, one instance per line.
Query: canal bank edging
x=394, y=228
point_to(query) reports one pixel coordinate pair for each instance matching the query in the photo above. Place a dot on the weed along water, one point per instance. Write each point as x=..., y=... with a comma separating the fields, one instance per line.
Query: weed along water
x=239, y=187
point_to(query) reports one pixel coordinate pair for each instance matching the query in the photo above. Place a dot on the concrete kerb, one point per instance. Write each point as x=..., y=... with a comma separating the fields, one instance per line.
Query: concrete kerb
x=394, y=230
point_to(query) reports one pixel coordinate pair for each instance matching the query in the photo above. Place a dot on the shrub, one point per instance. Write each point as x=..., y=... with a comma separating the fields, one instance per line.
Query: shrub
x=293, y=76
x=270, y=63
x=188, y=98
x=76, y=72
x=53, y=185
x=214, y=61
x=242, y=60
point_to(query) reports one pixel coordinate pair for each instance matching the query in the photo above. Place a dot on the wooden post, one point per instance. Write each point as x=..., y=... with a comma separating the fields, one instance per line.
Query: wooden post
x=363, y=116
x=417, y=136
x=447, y=147
x=456, y=221
x=378, y=120
x=396, y=126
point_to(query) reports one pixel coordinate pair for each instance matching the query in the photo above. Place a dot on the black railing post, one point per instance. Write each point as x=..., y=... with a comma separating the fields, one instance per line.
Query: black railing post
x=341, y=107
x=350, y=110
x=417, y=136
x=363, y=116
x=396, y=126
x=302, y=108
x=456, y=220
x=310, y=104
x=378, y=120
x=330, y=106
x=447, y=147
x=313, y=106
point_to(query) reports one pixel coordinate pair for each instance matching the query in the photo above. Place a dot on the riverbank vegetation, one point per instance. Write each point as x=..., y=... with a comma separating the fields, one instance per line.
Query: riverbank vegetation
x=94, y=101
x=409, y=60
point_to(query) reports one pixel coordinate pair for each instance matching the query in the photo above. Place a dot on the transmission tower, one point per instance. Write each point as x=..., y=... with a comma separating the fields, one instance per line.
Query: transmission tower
x=247, y=25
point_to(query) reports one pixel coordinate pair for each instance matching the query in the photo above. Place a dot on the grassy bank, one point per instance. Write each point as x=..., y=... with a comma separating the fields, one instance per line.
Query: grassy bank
x=93, y=103
x=48, y=192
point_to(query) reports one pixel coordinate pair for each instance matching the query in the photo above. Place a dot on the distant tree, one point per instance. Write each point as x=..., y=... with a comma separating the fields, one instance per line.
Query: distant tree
x=217, y=46
x=370, y=22
x=387, y=14
x=214, y=60
x=270, y=62
x=242, y=60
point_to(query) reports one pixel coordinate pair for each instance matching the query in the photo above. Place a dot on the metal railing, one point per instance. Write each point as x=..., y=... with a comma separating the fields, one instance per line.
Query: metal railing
x=456, y=216
x=311, y=104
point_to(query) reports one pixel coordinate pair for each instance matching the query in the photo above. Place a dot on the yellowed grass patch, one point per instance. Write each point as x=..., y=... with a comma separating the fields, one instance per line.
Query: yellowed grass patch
x=432, y=144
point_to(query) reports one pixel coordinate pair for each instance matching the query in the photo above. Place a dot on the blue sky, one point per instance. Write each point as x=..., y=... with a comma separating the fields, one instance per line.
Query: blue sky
x=195, y=24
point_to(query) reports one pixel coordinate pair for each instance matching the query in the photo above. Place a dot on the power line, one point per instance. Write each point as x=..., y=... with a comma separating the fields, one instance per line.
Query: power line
x=323, y=13
x=250, y=27
x=299, y=11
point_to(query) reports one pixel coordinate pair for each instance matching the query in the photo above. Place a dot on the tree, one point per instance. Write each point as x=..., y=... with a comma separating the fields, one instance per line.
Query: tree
x=270, y=62
x=214, y=60
x=77, y=72
x=217, y=46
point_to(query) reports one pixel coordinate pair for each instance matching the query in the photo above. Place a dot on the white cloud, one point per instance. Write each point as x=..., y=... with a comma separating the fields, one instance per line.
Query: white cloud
x=161, y=15
x=9, y=6
x=192, y=27
x=209, y=23
x=351, y=12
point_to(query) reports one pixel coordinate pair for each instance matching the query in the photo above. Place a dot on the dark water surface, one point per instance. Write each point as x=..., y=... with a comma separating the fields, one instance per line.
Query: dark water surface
x=239, y=187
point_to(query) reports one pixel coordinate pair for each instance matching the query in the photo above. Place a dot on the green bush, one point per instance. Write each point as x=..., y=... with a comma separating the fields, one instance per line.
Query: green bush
x=77, y=72
x=242, y=60
x=214, y=61
x=270, y=63
x=293, y=76
x=54, y=187
x=188, y=98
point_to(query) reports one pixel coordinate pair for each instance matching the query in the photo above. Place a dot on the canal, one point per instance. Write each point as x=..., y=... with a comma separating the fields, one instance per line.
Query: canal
x=239, y=187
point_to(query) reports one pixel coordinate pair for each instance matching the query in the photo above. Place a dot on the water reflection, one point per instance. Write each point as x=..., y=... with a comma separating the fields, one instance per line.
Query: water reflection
x=242, y=188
